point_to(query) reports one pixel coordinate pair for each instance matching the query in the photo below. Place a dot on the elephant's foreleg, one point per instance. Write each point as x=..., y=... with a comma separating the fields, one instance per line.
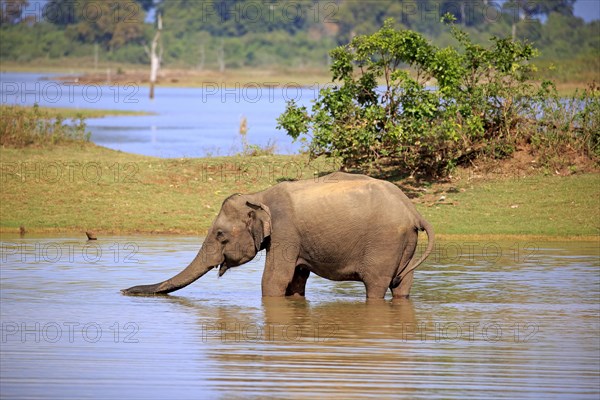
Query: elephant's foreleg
x=280, y=269
x=298, y=284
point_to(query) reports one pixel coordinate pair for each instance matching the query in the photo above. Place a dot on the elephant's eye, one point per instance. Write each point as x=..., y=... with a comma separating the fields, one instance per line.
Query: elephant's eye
x=221, y=236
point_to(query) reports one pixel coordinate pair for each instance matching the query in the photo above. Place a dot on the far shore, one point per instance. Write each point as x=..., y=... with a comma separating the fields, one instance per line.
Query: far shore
x=196, y=78
x=178, y=77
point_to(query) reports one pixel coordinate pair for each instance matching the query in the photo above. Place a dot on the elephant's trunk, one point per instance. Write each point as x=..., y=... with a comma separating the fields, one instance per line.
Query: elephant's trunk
x=197, y=268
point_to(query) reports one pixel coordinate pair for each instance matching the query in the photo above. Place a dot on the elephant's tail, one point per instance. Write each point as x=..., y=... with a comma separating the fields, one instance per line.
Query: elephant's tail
x=425, y=226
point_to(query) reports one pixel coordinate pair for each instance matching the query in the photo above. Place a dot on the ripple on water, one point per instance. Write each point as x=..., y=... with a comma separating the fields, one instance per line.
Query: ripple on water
x=472, y=329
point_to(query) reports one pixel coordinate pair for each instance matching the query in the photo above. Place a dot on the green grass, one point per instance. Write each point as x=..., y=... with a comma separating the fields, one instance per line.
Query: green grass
x=109, y=191
x=36, y=126
x=535, y=205
x=80, y=186
x=70, y=113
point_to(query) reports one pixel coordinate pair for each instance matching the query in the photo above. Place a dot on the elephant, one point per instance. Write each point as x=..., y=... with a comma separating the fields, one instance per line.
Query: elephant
x=341, y=226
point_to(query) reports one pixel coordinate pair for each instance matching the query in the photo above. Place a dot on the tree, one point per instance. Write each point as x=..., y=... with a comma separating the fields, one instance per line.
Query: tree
x=11, y=11
x=147, y=4
x=525, y=9
x=61, y=12
x=545, y=7
x=467, y=12
x=111, y=24
x=155, y=53
x=377, y=112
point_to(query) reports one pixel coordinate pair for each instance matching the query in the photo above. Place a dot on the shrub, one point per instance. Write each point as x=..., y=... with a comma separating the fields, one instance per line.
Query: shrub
x=456, y=104
x=23, y=126
x=565, y=127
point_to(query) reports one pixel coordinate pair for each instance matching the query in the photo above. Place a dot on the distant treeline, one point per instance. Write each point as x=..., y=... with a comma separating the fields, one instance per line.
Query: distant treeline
x=221, y=34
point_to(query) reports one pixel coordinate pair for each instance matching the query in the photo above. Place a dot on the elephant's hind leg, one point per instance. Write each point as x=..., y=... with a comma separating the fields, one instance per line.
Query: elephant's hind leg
x=298, y=284
x=403, y=288
x=375, y=291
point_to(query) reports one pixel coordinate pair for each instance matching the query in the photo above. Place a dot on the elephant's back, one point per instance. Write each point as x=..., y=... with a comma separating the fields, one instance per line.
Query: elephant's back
x=346, y=199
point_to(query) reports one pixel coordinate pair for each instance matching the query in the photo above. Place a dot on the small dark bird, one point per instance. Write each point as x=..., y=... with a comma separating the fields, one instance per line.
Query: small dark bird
x=22, y=231
x=91, y=236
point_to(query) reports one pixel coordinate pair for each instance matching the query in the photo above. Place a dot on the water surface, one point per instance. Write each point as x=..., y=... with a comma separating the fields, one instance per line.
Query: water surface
x=185, y=122
x=502, y=320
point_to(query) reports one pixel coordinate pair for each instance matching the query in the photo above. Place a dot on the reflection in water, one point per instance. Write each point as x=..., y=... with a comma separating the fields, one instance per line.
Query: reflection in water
x=508, y=327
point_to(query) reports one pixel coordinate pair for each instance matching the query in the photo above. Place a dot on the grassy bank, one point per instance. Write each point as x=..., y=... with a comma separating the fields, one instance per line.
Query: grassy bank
x=74, y=113
x=80, y=186
x=38, y=126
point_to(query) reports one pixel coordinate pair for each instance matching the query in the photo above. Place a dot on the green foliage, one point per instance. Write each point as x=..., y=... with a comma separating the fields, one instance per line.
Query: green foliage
x=118, y=23
x=21, y=127
x=376, y=112
x=10, y=11
x=235, y=18
x=566, y=127
x=267, y=34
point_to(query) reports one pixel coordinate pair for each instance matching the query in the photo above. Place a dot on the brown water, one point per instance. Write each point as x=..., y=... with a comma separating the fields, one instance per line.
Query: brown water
x=495, y=320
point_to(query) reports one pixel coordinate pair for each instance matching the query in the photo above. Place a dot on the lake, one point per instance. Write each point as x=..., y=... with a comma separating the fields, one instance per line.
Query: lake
x=185, y=122
x=485, y=319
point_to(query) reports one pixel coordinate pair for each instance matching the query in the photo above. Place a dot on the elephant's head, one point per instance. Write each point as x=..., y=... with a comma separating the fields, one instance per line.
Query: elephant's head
x=237, y=234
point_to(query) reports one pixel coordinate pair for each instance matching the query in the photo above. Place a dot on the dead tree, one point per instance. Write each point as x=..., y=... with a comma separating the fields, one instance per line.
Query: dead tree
x=155, y=54
x=221, y=56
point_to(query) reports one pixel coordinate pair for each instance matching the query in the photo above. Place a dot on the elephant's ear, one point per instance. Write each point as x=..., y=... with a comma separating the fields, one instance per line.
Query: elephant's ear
x=259, y=222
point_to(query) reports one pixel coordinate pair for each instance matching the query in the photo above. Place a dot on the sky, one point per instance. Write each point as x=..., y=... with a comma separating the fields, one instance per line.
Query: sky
x=589, y=10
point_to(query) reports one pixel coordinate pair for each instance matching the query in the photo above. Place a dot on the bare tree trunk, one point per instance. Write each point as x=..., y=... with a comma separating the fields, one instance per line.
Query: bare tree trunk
x=95, y=57
x=518, y=16
x=155, y=56
x=221, y=56
x=202, y=57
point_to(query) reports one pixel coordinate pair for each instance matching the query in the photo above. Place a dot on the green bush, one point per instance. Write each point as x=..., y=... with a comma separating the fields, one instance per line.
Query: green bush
x=566, y=127
x=456, y=104
x=23, y=126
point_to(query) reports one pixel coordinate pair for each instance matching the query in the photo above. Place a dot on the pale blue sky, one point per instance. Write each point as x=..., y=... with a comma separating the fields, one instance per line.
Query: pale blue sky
x=589, y=10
